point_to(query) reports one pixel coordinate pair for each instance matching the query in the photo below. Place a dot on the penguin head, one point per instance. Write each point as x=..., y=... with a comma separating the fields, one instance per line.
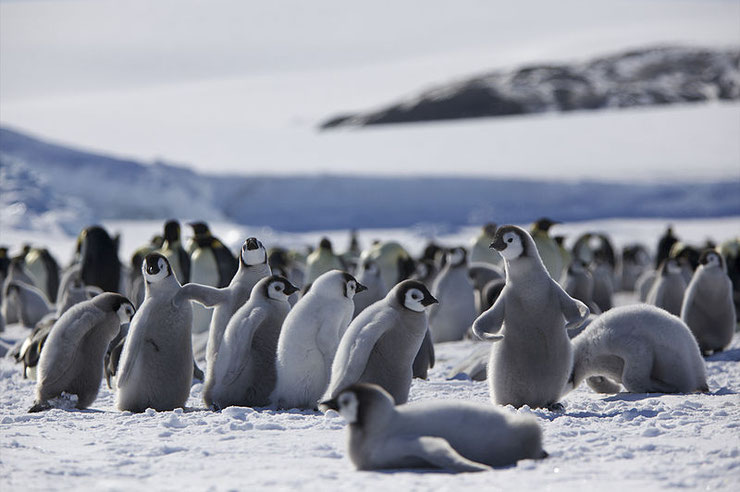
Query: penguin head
x=351, y=286
x=358, y=402
x=278, y=288
x=335, y=283
x=544, y=224
x=155, y=268
x=325, y=244
x=115, y=303
x=125, y=311
x=253, y=252
x=489, y=229
x=171, y=231
x=711, y=259
x=422, y=269
x=509, y=242
x=414, y=295
x=577, y=267
x=372, y=268
x=200, y=228
x=457, y=257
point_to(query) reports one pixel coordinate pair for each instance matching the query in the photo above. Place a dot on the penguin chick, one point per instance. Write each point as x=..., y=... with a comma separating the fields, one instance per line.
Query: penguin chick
x=380, y=345
x=579, y=284
x=309, y=339
x=457, y=436
x=532, y=360
x=72, y=359
x=668, y=287
x=30, y=302
x=449, y=320
x=369, y=276
x=641, y=347
x=244, y=370
x=708, y=308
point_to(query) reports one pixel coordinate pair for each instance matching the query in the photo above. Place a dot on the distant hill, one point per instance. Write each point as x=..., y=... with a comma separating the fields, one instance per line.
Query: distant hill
x=650, y=76
x=46, y=185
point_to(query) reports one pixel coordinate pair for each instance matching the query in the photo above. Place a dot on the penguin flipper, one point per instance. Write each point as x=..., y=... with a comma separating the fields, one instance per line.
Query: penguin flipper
x=434, y=450
x=243, y=333
x=490, y=322
x=202, y=294
x=70, y=341
x=575, y=311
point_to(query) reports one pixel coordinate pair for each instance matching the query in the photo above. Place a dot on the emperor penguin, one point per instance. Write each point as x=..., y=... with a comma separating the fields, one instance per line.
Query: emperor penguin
x=212, y=264
x=455, y=313
x=369, y=276
x=665, y=243
x=579, y=284
x=708, y=308
x=380, y=345
x=244, y=370
x=309, y=339
x=156, y=367
x=643, y=348
x=565, y=255
x=395, y=263
x=16, y=273
x=603, y=291
x=635, y=261
x=44, y=270
x=321, y=261
x=531, y=362
x=252, y=268
x=72, y=359
x=30, y=302
x=136, y=280
x=481, y=274
x=668, y=288
x=99, y=259
x=480, y=252
x=452, y=435
x=173, y=250
x=548, y=249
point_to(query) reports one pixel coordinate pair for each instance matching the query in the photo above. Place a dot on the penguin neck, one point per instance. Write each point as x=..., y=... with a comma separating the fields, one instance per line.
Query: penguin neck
x=262, y=270
x=524, y=269
x=166, y=287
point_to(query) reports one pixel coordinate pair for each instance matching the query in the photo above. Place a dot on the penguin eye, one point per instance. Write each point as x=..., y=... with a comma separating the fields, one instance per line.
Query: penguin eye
x=415, y=296
x=510, y=240
x=279, y=288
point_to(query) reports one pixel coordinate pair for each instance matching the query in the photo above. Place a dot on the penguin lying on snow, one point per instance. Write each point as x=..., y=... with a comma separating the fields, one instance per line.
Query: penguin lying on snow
x=458, y=436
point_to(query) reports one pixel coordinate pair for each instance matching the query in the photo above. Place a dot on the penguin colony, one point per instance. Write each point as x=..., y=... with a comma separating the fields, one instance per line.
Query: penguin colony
x=348, y=332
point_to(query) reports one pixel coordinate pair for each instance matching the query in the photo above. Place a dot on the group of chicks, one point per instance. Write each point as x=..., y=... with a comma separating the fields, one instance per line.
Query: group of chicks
x=293, y=331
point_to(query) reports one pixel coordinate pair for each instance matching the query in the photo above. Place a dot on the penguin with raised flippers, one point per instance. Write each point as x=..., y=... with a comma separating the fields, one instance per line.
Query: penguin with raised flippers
x=531, y=362
x=457, y=436
x=708, y=307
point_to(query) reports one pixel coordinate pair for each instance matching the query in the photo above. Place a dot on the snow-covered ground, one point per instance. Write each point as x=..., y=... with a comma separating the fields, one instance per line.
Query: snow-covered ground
x=605, y=442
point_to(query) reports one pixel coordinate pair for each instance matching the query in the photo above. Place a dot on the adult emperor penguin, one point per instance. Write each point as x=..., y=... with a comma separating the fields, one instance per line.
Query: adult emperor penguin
x=531, y=363
x=394, y=261
x=244, y=370
x=449, y=320
x=309, y=339
x=665, y=243
x=322, y=260
x=480, y=252
x=156, y=367
x=369, y=276
x=548, y=249
x=641, y=347
x=173, y=250
x=211, y=263
x=252, y=267
x=72, y=359
x=708, y=308
x=99, y=258
x=453, y=435
x=44, y=270
x=668, y=289
x=380, y=345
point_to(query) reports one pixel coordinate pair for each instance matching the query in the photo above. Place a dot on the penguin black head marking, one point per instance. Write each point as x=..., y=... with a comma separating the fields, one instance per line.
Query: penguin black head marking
x=200, y=228
x=171, y=231
x=509, y=241
x=279, y=288
x=414, y=295
x=351, y=286
x=544, y=224
x=354, y=402
x=669, y=266
x=457, y=257
x=155, y=268
x=116, y=303
x=325, y=244
x=371, y=267
x=489, y=229
x=253, y=252
x=710, y=257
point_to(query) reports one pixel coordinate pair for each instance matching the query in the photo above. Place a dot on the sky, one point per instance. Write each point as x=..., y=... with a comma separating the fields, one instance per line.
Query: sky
x=235, y=86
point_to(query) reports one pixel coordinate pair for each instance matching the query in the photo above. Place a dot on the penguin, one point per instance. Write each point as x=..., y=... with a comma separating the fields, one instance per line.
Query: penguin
x=635, y=261
x=668, y=289
x=531, y=362
x=16, y=272
x=72, y=360
x=491, y=292
x=547, y=248
x=481, y=274
x=665, y=243
x=480, y=252
x=449, y=320
x=156, y=365
x=425, y=357
x=603, y=277
x=688, y=258
x=44, y=270
x=351, y=257
x=708, y=308
x=113, y=355
x=244, y=370
x=176, y=255
x=252, y=268
x=643, y=348
x=395, y=263
x=579, y=284
x=380, y=345
x=99, y=259
x=369, y=276
x=644, y=283
x=30, y=302
x=309, y=339
x=321, y=261
x=565, y=255
x=452, y=435
x=425, y=271
x=136, y=281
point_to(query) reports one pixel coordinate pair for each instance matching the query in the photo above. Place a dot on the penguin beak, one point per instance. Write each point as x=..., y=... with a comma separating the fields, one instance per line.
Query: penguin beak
x=290, y=289
x=498, y=244
x=429, y=300
x=252, y=244
x=329, y=405
x=359, y=288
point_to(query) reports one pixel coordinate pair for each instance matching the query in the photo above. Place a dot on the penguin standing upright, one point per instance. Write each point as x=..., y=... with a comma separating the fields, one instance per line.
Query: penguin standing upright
x=451, y=318
x=547, y=248
x=480, y=252
x=99, y=258
x=668, y=288
x=321, y=261
x=665, y=243
x=174, y=252
x=44, y=270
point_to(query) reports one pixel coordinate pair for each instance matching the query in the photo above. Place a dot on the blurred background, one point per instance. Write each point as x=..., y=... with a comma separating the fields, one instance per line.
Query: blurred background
x=301, y=116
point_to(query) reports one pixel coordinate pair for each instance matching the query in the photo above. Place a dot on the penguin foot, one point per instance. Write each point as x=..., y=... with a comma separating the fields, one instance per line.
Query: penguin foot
x=556, y=407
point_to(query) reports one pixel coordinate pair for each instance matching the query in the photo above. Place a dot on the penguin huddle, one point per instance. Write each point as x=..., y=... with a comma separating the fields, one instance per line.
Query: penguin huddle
x=349, y=332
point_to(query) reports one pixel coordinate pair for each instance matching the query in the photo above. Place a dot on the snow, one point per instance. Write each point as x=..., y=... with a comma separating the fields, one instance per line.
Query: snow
x=613, y=442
